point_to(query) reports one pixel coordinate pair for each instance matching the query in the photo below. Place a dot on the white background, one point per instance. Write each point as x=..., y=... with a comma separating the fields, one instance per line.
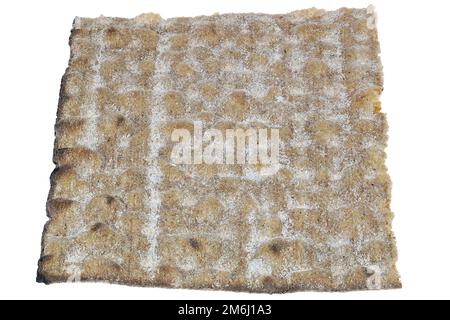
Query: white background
x=414, y=38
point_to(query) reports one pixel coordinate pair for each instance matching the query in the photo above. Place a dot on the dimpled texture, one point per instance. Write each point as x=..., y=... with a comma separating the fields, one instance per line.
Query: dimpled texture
x=120, y=211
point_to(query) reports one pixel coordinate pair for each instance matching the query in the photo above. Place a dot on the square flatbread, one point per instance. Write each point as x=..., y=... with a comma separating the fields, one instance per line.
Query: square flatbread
x=120, y=210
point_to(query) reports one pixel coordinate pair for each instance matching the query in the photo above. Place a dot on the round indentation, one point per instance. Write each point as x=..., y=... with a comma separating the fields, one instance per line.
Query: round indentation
x=173, y=102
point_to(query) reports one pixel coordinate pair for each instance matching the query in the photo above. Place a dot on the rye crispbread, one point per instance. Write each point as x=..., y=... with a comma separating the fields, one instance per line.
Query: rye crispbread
x=121, y=212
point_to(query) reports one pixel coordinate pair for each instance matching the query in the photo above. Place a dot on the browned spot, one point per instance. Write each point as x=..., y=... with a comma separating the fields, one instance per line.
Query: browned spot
x=78, y=34
x=147, y=67
x=120, y=121
x=313, y=280
x=75, y=83
x=316, y=70
x=45, y=258
x=56, y=206
x=131, y=179
x=378, y=251
x=356, y=280
x=101, y=209
x=322, y=177
x=110, y=200
x=246, y=204
x=212, y=65
x=169, y=127
x=68, y=185
x=178, y=41
x=97, y=226
x=104, y=98
x=179, y=25
x=194, y=243
x=367, y=99
x=377, y=107
x=135, y=201
x=275, y=248
x=237, y=105
x=184, y=70
x=208, y=33
x=231, y=54
x=282, y=252
x=270, y=284
x=311, y=32
x=206, y=171
x=117, y=39
x=66, y=130
x=257, y=60
x=173, y=176
x=100, y=268
x=246, y=41
x=323, y=131
x=166, y=275
x=147, y=38
x=101, y=240
x=69, y=107
x=81, y=63
x=133, y=101
x=173, y=103
x=208, y=211
x=201, y=53
x=173, y=250
x=278, y=69
x=270, y=226
x=77, y=157
x=277, y=197
x=209, y=91
x=258, y=28
x=112, y=69
x=170, y=199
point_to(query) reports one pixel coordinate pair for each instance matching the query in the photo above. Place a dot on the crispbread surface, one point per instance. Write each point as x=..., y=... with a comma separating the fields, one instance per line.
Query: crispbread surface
x=120, y=211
